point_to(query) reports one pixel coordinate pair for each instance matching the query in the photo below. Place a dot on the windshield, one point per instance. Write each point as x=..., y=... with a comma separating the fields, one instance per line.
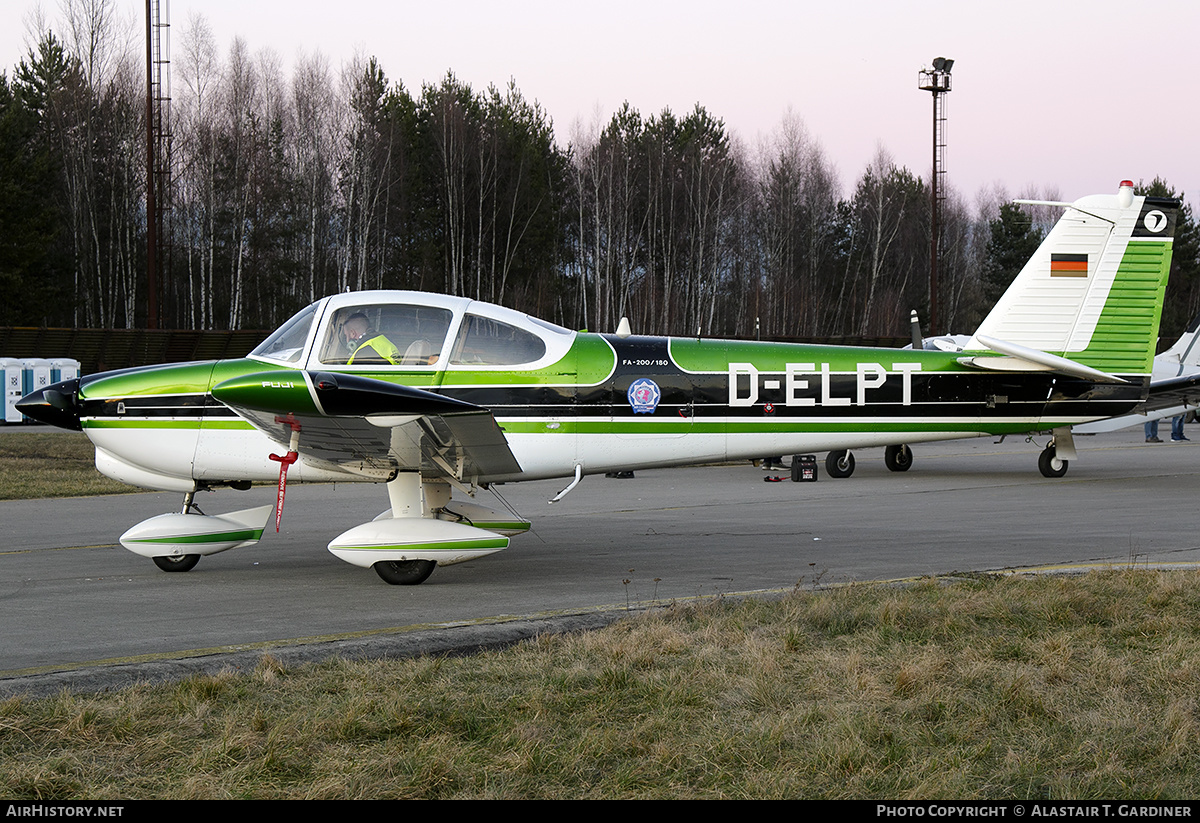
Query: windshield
x=287, y=342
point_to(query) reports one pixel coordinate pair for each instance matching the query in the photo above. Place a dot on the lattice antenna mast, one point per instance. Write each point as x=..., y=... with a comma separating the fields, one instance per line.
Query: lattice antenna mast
x=937, y=81
x=158, y=152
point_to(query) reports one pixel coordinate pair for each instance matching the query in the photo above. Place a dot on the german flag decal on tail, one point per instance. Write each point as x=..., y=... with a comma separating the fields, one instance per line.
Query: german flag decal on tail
x=1068, y=265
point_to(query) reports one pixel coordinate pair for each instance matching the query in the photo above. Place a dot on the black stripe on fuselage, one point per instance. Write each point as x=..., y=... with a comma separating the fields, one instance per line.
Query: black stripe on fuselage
x=161, y=405
x=932, y=395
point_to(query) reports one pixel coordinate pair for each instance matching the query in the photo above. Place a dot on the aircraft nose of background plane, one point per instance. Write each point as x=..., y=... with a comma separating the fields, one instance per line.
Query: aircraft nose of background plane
x=57, y=405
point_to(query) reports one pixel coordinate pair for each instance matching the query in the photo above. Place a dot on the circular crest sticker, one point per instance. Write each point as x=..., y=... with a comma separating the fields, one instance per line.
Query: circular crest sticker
x=644, y=395
x=1154, y=221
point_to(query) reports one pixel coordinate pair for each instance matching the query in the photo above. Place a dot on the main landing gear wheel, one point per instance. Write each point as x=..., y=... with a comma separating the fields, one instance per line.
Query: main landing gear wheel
x=404, y=572
x=1049, y=464
x=898, y=458
x=179, y=563
x=839, y=464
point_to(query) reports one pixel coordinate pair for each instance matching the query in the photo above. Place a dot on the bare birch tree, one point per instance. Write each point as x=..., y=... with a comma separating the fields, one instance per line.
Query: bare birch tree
x=196, y=207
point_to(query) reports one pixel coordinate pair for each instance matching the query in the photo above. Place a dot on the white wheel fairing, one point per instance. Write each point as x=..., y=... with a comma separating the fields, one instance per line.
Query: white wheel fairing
x=176, y=535
x=414, y=538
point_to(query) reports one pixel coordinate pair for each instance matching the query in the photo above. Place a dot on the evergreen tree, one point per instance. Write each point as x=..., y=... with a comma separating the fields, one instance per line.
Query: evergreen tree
x=1013, y=241
x=34, y=269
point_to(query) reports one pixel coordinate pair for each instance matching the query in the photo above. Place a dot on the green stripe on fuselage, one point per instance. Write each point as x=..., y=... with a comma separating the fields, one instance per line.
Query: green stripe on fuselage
x=226, y=424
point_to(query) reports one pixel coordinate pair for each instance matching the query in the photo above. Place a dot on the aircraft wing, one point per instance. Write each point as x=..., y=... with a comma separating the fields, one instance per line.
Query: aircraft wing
x=1175, y=391
x=370, y=427
x=1167, y=398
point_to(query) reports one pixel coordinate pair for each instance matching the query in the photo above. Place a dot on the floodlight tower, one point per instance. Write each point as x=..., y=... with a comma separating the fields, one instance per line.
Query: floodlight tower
x=937, y=81
x=158, y=150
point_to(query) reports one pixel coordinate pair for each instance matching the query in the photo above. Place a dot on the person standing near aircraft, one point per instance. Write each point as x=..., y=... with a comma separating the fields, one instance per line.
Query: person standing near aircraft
x=1177, y=429
x=365, y=344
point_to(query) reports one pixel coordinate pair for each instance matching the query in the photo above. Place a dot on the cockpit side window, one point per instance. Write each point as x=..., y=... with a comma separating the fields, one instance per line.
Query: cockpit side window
x=389, y=334
x=487, y=342
x=287, y=342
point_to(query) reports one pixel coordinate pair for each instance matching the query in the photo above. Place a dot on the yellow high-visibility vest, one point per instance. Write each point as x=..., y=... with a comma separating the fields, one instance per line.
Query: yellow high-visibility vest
x=382, y=346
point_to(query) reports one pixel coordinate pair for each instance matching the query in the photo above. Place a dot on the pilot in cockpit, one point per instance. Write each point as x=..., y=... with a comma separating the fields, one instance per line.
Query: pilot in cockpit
x=365, y=344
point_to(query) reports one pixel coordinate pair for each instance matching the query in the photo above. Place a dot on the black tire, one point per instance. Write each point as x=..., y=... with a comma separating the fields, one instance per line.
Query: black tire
x=404, y=572
x=1049, y=465
x=898, y=458
x=178, y=563
x=839, y=464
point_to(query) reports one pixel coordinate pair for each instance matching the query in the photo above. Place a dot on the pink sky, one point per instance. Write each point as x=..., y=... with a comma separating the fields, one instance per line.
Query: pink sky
x=1047, y=94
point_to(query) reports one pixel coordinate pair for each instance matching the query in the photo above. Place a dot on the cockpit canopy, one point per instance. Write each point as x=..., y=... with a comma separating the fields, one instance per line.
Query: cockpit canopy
x=415, y=331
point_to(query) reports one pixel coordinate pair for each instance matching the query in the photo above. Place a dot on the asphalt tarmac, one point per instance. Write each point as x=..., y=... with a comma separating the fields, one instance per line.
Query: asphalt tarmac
x=79, y=611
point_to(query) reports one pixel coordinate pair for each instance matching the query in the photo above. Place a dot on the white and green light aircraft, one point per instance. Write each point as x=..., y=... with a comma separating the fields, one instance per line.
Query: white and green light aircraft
x=438, y=397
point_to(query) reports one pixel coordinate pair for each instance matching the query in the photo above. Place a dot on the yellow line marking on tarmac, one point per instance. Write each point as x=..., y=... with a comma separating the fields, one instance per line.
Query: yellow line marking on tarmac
x=58, y=549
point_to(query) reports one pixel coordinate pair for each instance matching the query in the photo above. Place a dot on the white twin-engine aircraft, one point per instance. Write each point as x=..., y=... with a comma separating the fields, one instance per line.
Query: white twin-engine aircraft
x=433, y=395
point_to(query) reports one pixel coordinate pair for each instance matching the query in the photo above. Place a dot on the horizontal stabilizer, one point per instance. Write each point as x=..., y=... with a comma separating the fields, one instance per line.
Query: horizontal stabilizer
x=1024, y=358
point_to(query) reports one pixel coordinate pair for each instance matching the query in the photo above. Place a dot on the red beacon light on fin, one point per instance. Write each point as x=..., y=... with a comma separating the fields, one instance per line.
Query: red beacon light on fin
x=1125, y=194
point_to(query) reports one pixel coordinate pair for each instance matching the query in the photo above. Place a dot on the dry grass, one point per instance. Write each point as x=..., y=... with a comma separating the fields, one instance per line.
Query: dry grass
x=1065, y=688
x=51, y=463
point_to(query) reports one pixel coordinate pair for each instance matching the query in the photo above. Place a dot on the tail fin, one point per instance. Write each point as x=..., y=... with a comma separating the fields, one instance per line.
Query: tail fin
x=1093, y=291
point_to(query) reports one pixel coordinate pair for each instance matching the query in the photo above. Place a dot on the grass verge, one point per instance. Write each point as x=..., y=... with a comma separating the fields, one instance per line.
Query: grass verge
x=55, y=463
x=1058, y=688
